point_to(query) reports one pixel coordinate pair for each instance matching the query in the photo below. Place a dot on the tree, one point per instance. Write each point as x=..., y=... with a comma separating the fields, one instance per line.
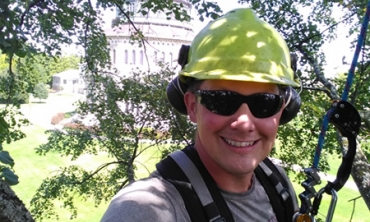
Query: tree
x=41, y=91
x=147, y=117
x=118, y=131
x=28, y=72
x=11, y=207
x=41, y=67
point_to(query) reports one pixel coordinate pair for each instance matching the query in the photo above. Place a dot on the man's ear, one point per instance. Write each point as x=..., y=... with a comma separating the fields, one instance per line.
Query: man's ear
x=191, y=105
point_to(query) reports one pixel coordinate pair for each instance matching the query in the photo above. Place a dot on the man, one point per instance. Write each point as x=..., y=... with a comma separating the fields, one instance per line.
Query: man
x=236, y=75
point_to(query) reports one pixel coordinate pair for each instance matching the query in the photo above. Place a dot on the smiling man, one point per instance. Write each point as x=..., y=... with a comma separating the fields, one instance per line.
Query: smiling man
x=236, y=85
x=231, y=143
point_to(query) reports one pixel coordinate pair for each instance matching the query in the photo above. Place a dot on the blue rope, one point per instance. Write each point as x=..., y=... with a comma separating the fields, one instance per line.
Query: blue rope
x=325, y=123
x=320, y=144
x=360, y=42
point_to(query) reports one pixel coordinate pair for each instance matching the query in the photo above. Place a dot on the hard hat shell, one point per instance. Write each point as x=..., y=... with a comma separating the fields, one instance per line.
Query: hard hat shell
x=240, y=46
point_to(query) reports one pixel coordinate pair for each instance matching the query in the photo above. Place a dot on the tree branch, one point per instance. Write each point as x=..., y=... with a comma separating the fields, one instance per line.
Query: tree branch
x=319, y=74
x=328, y=28
x=31, y=5
x=97, y=171
x=326, y=91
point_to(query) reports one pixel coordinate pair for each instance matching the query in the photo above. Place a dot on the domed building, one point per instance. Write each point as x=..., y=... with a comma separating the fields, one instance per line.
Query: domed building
x=162, y=38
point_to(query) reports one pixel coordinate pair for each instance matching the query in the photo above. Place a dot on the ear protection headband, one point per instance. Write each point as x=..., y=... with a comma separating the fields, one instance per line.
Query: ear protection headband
x=176, y=90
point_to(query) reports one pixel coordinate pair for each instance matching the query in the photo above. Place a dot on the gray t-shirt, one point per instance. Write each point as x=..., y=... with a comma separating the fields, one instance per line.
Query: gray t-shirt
x=155, y=199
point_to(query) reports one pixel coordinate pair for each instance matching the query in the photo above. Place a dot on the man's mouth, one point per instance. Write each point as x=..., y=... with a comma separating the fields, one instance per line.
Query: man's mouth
x=238, y=143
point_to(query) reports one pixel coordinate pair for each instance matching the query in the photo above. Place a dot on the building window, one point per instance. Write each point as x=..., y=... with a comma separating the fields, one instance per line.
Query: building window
x=141, y=57
x=163, y=57
x=131, y=7
x=133, y=57
x=64, y=81
x=171, y=58
x=114, y=56
x=127, y=108
x=126, y=57
x=155, y=56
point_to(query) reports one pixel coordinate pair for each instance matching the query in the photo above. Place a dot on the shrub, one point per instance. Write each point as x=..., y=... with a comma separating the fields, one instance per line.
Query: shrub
x=57, y=118
x=41, y=91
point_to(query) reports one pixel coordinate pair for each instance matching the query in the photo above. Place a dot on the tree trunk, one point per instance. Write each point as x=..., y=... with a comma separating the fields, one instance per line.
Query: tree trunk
x=12, y=208
x=361, y=175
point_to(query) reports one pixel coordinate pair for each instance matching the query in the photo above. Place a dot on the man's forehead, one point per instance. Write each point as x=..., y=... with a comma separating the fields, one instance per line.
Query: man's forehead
x=233, y=84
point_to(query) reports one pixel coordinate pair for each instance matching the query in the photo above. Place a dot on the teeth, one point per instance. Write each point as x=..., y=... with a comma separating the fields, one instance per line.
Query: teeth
x=239, y=144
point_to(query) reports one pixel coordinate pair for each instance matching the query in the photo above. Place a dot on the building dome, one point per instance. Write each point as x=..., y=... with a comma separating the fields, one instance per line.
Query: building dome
x=163, y=38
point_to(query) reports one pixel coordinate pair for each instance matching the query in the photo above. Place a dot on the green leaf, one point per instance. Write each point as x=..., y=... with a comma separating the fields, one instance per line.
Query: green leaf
x=9, y=177
x=21, y=53
x=6, y=158
x=3, y=124
x=5, y=43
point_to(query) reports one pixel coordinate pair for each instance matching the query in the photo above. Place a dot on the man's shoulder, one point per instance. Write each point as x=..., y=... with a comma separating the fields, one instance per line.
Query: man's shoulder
x=145, y=198
x=152, y=186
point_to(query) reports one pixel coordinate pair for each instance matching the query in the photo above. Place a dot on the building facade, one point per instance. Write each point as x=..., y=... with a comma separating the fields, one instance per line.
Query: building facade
x=162, y=39
x=68, y=81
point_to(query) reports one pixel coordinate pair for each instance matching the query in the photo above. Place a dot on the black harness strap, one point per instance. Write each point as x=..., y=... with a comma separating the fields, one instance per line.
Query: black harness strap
x=198, y=184
x=267, y=173
x=211, y=184
x=280, y=199
x=170, y=171
x=281, y=187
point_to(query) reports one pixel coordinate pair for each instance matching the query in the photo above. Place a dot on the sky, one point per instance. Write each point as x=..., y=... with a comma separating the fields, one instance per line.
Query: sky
x=334, y=50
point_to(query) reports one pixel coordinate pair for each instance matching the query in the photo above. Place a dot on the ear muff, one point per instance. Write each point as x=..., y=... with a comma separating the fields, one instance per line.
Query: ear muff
x=176, y=90
x=292, y=105
x=292, y=99
x=182, y=59
x=175, y=95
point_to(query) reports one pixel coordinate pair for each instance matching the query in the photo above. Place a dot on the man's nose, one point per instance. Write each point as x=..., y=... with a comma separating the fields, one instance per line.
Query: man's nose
x=243, y=118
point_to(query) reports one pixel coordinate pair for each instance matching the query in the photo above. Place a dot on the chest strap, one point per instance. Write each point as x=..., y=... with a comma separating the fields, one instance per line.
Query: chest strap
x=200, y=208
x=202, y=197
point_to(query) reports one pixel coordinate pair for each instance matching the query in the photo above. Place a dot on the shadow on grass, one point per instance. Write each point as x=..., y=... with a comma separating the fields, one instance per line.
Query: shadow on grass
x=38, y=102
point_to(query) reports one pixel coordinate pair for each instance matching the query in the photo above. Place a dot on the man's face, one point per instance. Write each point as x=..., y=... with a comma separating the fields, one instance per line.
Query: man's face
x=237, y=143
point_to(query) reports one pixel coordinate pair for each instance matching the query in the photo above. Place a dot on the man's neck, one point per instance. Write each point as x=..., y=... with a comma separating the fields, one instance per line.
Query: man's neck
x=225, y=180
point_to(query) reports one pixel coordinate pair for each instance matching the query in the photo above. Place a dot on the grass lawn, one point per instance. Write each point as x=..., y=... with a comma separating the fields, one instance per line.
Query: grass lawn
x=32, y=169
x=146, y=162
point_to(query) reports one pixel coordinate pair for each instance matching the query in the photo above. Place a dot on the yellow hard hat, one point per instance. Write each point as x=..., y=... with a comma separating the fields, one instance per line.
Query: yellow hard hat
x=240, y=46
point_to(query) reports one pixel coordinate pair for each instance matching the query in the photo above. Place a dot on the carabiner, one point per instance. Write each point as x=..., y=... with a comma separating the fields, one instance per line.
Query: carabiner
x=333, y=203
x=313, y=179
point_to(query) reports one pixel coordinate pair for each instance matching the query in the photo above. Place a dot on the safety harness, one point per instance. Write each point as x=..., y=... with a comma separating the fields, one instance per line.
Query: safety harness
x=202, y=197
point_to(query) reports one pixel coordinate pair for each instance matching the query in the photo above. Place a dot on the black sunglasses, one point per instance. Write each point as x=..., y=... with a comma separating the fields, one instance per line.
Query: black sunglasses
x=226, y=103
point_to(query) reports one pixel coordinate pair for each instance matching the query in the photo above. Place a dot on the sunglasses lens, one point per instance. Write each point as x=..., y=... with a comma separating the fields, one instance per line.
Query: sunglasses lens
x=226, y=103
x=264, y=105
x=218, y=102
